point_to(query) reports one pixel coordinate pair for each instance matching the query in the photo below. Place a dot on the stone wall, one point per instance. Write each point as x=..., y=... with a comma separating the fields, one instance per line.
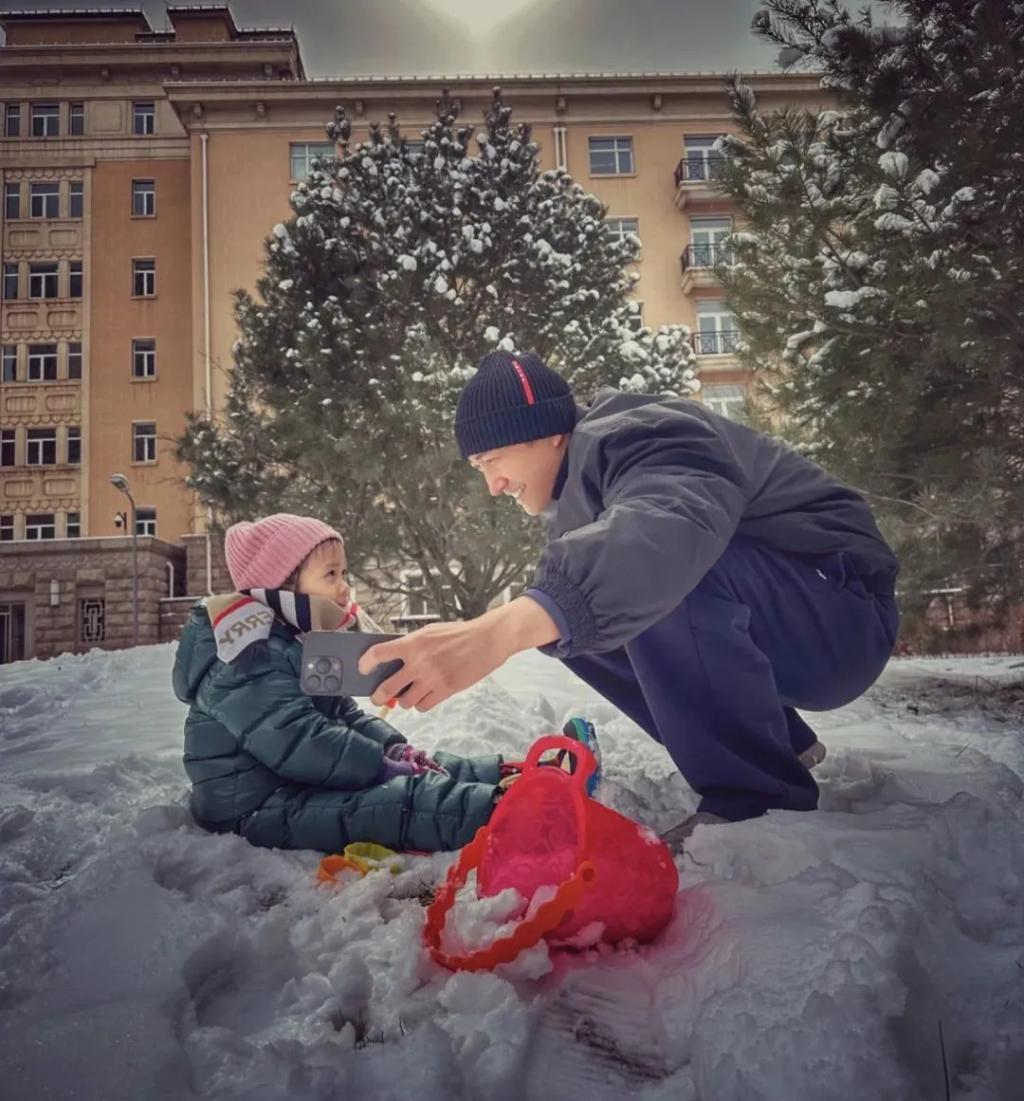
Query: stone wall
x=195, y=570
x=174, y=613
x=77, y=593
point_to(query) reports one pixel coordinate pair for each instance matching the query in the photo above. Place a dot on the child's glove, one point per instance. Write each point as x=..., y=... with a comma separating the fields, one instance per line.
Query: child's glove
x=403, y=753
x=390, y=769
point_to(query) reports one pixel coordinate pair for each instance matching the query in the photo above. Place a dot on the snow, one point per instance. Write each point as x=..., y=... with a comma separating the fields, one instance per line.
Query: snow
x=845, y=300
x=813, y=956
x=894, y=164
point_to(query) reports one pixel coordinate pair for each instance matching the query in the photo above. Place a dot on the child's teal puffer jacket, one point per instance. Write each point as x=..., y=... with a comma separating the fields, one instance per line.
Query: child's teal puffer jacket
x=289, y=771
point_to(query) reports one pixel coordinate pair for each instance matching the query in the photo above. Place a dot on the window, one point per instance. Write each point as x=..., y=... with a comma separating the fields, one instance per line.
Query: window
x=45, y=120
x=620, y=228
x=143, y=198
x=42, y=447
x=144, y=117
x=74, y=360
x=44, y=200
x=144, y=278
x=10, y=363
x=303, y=153
x=76, y=199
x=10, y=281
x=143, y=359
x=418, y=600
x=519, y=585
x=12, y=121
x=6, y=529
x=42, y=280
x=75, y=279
x=700, y=161
x=415, y=147
x=12, y=631
x=92, y=617
x=7, y=444
x=636, y=315
x=40, y=526
x=42, y=363
x=145, y=521
x=74, y=445
x=76, y=120
x=12, y=200
x=73, y=525
x=707, y=248
x=730, y=401
x=144, y=442
x=717, y=332
x=611, y=156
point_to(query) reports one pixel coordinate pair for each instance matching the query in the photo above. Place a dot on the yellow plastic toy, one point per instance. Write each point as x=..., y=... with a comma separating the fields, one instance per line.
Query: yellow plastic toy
x=360, y=857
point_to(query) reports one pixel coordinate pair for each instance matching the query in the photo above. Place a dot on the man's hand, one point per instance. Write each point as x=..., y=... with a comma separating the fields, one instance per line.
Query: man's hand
x=446, y=658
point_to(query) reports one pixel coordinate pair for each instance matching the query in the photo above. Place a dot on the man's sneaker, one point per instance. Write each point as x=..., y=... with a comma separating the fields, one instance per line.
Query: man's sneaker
x=813, y=755
x=675, y=837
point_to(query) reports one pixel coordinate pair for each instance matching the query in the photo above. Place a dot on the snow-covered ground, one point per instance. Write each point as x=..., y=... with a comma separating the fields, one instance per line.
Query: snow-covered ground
x=866, y=951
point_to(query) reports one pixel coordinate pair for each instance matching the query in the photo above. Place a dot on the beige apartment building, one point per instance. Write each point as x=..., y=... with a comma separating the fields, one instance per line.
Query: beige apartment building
x=142, y=170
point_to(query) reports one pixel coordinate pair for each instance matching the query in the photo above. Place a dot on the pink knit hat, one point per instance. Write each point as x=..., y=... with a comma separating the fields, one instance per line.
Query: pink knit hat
x=261, y=555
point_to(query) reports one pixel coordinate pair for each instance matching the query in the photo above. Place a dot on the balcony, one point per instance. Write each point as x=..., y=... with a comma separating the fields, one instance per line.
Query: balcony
x=42, y=319
x=696, y=178
x=716, y=351
x=51, y=402
x=725, y=342
x=40, y=488
x=29, y=237
x=698, y=263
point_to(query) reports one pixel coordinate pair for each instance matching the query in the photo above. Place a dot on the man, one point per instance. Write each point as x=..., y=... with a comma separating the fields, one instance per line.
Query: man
x=704, y=578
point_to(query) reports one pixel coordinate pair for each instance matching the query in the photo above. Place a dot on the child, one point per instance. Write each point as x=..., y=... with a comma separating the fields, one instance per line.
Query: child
x=290, y=771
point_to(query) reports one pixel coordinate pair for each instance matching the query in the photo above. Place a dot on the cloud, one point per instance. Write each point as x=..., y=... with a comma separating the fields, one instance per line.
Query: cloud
x=417, y=37
x=634, y=36
x=364, y=37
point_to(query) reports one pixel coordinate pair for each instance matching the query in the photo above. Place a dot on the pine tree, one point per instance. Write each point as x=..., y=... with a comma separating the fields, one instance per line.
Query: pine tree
x=400, y=267
x=878, y=280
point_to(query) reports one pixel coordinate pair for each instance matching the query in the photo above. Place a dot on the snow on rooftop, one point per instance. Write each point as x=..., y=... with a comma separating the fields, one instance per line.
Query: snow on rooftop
x=74, y=13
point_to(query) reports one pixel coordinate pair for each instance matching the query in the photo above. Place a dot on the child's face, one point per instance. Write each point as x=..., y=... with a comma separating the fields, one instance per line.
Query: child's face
x=326, y=574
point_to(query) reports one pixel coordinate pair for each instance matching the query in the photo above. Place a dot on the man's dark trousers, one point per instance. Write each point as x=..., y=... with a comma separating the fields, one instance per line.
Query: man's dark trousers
x=718, y=679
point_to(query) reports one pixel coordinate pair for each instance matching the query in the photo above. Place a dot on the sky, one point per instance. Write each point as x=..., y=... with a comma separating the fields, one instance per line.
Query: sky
x=415, y=37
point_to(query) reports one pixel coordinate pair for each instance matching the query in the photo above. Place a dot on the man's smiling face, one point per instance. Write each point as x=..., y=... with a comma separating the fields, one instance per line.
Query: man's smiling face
x=526, y=472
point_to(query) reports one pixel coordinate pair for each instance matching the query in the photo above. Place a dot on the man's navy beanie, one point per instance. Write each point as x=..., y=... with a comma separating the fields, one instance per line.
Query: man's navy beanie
x=512, y=399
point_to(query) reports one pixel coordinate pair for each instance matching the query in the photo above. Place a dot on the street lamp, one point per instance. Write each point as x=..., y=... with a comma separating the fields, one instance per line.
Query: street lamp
x=119, y=481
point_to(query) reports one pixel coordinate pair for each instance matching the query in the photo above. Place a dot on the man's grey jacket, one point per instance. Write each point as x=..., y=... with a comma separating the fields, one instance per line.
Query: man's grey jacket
x=650, y=493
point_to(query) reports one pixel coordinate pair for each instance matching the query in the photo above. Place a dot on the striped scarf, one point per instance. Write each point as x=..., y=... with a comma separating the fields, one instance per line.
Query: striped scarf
x=242, y=618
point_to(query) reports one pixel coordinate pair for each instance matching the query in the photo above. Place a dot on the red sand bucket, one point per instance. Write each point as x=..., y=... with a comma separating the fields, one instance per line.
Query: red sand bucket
x=546, y=832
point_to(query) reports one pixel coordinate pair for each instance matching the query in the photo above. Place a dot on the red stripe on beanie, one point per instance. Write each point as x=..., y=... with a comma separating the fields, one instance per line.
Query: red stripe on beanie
x=524, y=382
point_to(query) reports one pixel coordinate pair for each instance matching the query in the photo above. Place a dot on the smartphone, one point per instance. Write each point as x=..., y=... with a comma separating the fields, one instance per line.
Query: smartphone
x=330, y=663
